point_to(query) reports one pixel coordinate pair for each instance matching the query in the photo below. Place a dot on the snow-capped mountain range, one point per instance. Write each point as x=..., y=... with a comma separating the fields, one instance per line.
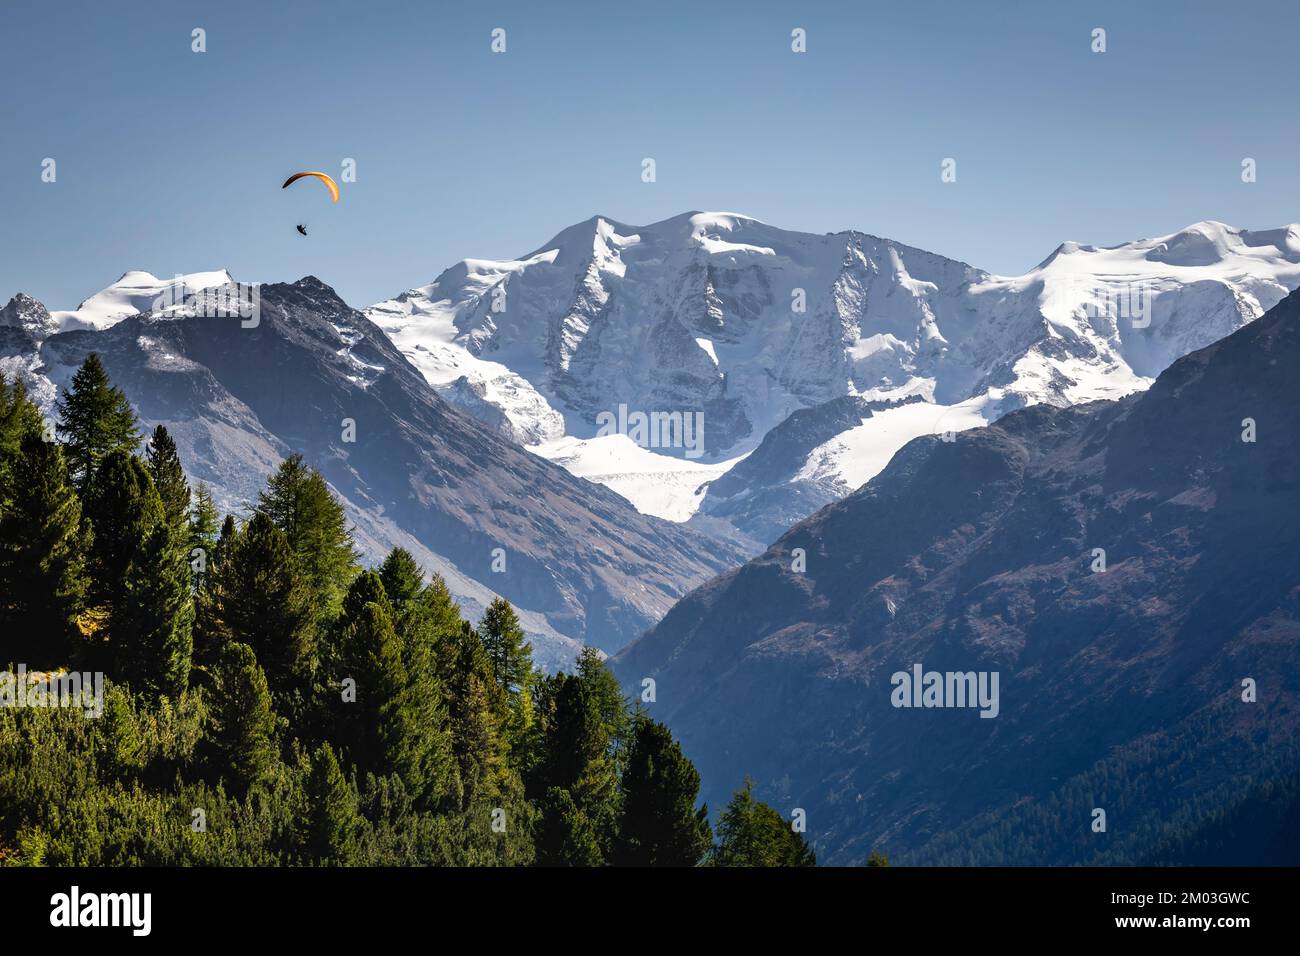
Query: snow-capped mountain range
x=307, y=373
x=747, y=323
x=811, y=358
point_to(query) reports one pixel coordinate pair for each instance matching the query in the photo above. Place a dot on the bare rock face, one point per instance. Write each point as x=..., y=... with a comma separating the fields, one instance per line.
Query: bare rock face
x=25, y=314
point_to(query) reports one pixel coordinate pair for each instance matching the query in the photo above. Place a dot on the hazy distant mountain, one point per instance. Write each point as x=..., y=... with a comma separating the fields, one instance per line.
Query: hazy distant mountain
x=579, y=561
x=1120, y=689
x=748, y=323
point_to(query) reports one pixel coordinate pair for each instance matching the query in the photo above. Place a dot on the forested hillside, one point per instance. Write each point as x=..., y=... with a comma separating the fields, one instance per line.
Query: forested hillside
x=267, y=701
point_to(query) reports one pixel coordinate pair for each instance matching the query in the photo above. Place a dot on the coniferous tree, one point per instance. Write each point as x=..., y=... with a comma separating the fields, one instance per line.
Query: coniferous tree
x=123, y=506
x=510, y=655
x=402, y=578
x=477, y=740
x=427, y=623
x=660, y=825
x=565, y=837
x=507, y=649
x=94, y=419
x=243, y=722
x=153, y=640
x=576, y=757
x=426, y=702
x=203, y=535
x=442, y=606
x=168, y=476
x=210, y=600
x=751, y=833
x=607, y=698
x=334, y=822
x=440, y=614
x=18, y=417
x=383, y=738
x=397, y=724
x=43, y=544
x=265, y=603
x=300, y=504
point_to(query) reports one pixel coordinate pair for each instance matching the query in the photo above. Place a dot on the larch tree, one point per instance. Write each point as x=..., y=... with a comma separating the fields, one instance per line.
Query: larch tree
x=300, y=504
x=752, y=833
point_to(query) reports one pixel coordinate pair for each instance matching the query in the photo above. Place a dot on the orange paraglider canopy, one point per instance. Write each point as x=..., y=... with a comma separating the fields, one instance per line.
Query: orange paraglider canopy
x=330, y=184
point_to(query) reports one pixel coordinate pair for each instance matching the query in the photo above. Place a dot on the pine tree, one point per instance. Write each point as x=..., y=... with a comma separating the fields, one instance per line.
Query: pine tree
x=123, y=506
x=565, y=837
x=383, y=737
x=94, y=419
x=153, y=643
x=300, y=504
x=398, y=724
x=265, y=603
x=210, y=599
x=445, y=626
x=18, y=417
x=243, y=722
x=660, y=825
x=43, y=545
x=168, y=476
x=751, y=833
x=402, y=578
x=203, y=535
x=333, y=823
x=576, y=758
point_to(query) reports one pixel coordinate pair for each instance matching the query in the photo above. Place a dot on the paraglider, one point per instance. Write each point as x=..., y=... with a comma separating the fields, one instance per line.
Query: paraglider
x=330, y=184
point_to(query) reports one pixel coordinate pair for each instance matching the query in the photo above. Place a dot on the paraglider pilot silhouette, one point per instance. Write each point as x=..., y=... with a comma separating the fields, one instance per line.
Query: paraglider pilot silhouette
x=330, y=184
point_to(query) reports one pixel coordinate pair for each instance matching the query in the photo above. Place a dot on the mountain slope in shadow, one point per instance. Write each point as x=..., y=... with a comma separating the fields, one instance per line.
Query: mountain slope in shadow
x=1119, y=690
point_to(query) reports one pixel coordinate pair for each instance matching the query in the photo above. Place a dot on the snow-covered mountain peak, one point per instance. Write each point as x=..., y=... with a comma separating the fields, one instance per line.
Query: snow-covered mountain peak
x=1221, y=249
x=24, y=312
x=733, y=318
x=135, y=292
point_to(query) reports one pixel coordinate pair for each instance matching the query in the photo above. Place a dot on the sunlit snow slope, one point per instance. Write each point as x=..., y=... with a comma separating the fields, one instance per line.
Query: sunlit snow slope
x=723, y=314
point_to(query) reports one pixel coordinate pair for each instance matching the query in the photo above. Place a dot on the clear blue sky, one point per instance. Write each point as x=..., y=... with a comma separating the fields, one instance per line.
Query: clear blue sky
x=171, y=161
